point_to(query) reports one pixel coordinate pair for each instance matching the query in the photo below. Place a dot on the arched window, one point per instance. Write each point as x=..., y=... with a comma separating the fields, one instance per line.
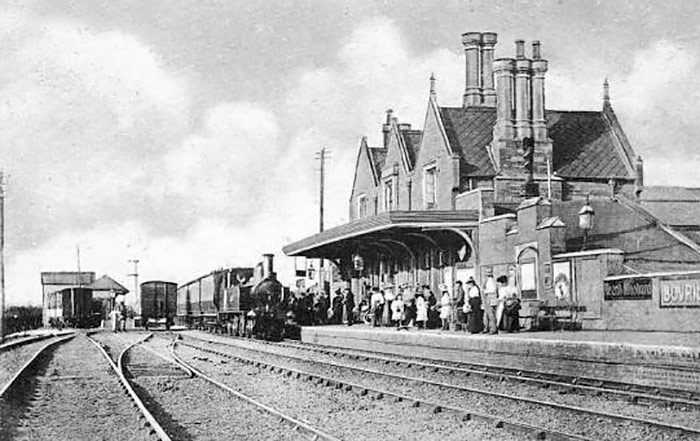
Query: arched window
x=527, y=273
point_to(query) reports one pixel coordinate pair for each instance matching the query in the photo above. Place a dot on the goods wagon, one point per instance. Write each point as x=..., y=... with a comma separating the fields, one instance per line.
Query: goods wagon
x=158, y=303
x=72, y=307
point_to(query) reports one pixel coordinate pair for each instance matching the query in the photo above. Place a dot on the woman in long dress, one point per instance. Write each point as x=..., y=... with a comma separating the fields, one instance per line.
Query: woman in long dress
x=398, y=311
x=421, y=311
x=445, y=308
x=476, y=314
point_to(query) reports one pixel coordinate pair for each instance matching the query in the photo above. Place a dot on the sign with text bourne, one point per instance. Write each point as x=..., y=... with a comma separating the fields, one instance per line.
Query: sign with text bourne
x=628, y=289
x=680, y=293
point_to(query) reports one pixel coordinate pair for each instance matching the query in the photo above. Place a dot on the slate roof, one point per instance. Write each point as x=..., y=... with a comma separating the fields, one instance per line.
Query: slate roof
x=674, y=206
x=469, y=130
x=587, y=144
x=378, y=156
x=412, y=140
x=646, y=245
x=106, y=283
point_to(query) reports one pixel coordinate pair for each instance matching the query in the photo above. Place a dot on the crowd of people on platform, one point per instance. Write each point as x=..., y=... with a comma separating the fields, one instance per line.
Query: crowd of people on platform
x=489, y=309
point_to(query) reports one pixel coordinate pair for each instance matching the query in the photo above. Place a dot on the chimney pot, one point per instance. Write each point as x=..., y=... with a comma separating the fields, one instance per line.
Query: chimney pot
x=536, y=55
x=520, y=49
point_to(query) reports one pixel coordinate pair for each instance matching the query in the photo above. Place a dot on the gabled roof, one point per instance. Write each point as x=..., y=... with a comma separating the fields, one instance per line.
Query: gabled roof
x=412, y=140
x=377, y=157
x=469, y=130
x=587, y=144
x=106, y=283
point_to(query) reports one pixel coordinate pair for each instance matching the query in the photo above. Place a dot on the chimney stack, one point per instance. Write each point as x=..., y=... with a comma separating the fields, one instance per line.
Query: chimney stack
x=503, y=70
x=386, y=127
x=267, y=265
x=488, y=42
x=523, y=100
x=472, y=91
x=539, y=69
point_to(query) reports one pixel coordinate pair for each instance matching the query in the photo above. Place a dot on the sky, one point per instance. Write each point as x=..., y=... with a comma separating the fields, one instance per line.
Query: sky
x=183, y=133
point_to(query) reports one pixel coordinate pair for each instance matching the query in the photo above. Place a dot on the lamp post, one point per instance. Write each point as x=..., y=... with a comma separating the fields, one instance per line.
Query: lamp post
x=585, y=221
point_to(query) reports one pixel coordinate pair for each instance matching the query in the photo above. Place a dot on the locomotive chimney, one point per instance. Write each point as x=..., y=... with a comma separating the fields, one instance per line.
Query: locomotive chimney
x=267, y=265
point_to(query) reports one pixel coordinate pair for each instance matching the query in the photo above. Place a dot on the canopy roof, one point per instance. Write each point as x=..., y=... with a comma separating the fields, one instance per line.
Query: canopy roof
x=329, y=242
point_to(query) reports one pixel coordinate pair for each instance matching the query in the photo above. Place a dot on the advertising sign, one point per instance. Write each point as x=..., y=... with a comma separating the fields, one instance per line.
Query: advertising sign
x=628, y=289
x=679, y=293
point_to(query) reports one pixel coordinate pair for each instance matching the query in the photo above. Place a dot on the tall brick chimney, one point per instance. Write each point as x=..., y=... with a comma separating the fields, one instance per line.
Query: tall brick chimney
x=503, y=69
x=488, y=42
x=539, y=69
x=523, y=102
x=386, y=127
x=472, y=91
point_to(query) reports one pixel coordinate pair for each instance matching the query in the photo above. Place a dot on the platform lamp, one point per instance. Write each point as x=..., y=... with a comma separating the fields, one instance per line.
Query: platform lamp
x=585, y=221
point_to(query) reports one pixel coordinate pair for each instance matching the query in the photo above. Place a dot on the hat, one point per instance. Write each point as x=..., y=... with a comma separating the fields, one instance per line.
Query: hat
x=471, y=280
x=442, y=287
x=489, y=271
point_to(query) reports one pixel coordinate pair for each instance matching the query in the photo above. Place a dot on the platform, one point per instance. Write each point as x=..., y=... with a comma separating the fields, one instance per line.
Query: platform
x=666, y=359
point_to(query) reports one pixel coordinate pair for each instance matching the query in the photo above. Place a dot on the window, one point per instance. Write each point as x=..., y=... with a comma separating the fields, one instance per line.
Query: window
x=430, y=187
x=388, y=196
x=361, y=206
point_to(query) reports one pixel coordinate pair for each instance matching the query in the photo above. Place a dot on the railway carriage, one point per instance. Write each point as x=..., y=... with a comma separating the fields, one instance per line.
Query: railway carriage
x=73, y=307
x=158, y=303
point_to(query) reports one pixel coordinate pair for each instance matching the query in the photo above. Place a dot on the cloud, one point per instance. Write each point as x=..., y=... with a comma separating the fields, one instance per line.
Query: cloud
x=334, y=106
x=659, y=104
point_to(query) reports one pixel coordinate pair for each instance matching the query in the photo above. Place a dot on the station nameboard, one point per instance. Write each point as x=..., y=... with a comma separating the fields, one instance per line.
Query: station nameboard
x=628, y=289
x=680, y=293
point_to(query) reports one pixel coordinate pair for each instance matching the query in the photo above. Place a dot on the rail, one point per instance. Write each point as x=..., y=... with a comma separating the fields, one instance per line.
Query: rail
x=150, y=419
x=553, y=405
x=467, y=414
x=314, y=433
x=629, y=391
x=30, y=363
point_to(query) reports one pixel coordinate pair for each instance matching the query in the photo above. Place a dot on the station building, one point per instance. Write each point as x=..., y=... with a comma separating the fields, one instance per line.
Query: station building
x=553, y=199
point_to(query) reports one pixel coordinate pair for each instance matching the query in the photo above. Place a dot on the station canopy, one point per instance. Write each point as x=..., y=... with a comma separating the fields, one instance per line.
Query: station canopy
x=391, y=232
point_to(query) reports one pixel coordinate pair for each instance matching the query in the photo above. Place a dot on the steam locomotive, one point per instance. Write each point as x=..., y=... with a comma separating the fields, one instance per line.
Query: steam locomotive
x=238, y=301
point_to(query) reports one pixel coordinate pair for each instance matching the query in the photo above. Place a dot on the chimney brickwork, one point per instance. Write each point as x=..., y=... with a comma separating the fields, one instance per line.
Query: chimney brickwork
x=520, y=114
x=472, y=92
x=488, y=44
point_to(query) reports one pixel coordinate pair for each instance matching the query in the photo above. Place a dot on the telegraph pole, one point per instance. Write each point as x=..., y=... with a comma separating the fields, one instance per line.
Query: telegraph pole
x=2, y=256
x=135, y=275
x=322, y=157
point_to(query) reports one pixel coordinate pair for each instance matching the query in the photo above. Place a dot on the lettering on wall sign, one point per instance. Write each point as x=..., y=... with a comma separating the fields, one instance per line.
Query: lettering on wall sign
x=628, y=289
x=679, y=293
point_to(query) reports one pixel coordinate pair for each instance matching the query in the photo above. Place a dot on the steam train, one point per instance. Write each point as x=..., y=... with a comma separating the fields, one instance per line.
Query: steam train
x=239, y=301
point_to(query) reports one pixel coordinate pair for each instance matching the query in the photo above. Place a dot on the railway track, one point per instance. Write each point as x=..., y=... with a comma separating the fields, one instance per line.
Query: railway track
x=607, y=425
x=68, y=392
x=632, y=392
x=191, y=405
